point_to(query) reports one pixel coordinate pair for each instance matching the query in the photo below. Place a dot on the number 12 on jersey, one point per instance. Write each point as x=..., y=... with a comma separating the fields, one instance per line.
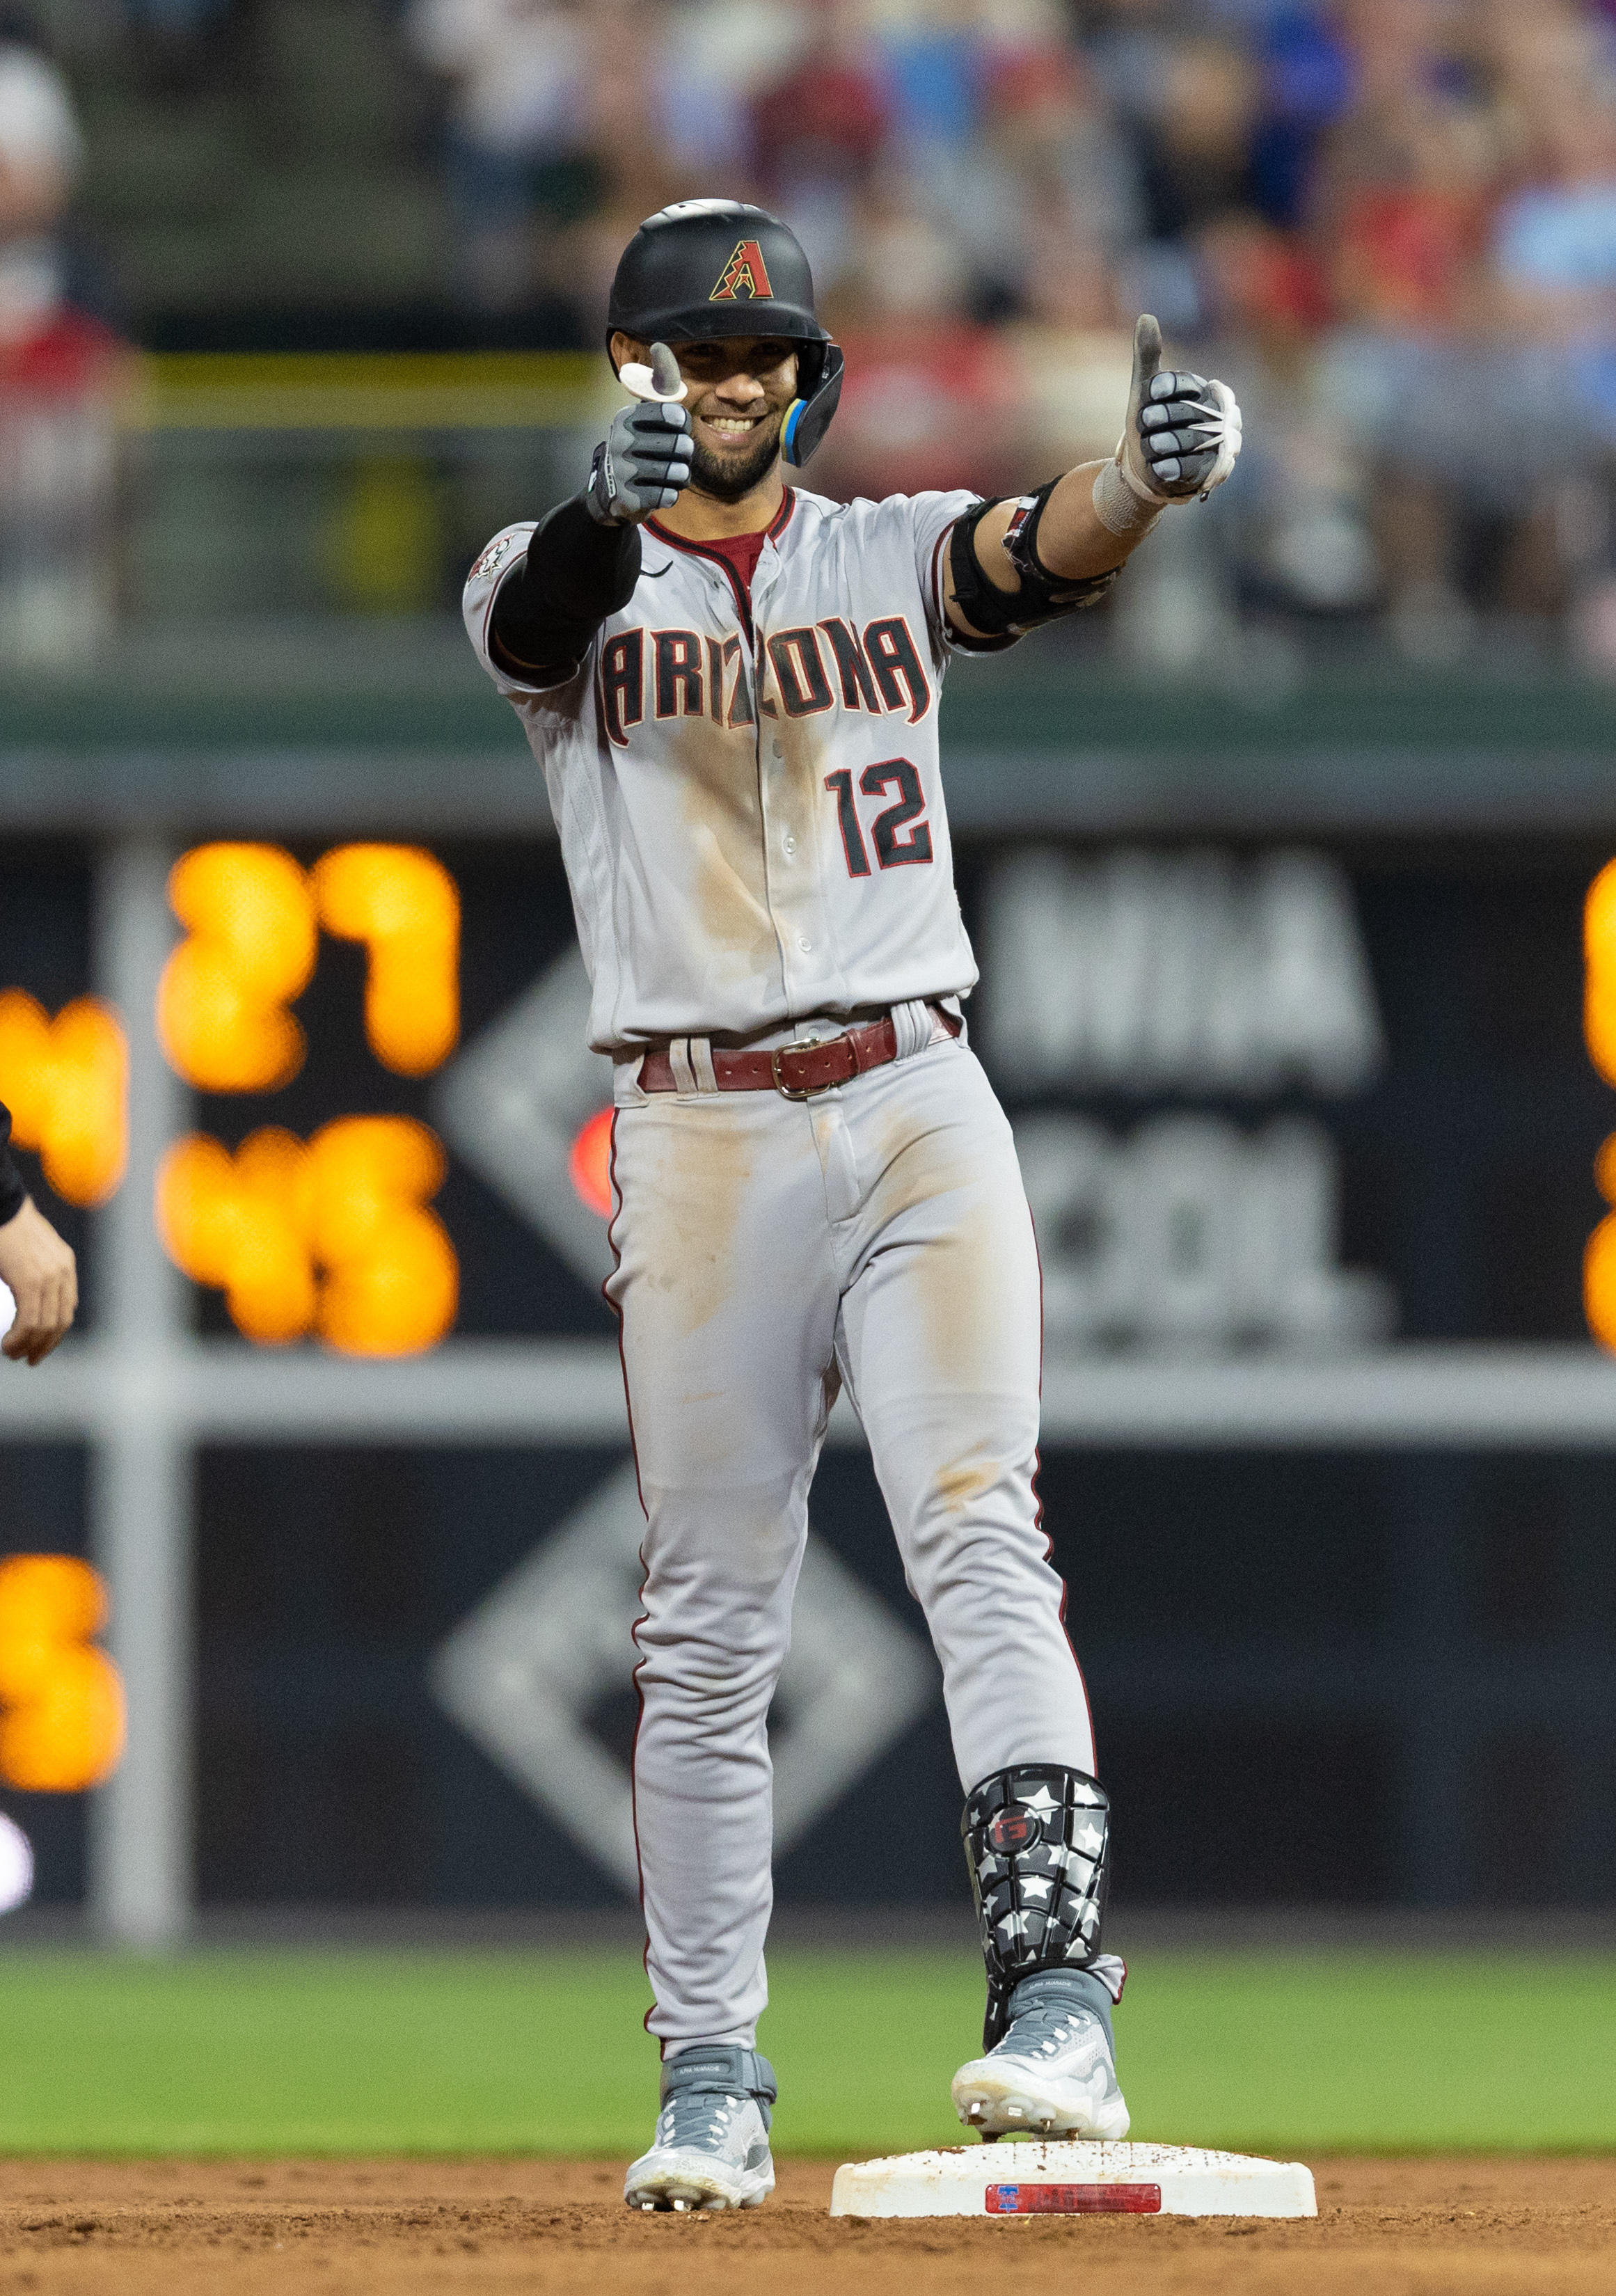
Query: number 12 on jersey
x=899, y=833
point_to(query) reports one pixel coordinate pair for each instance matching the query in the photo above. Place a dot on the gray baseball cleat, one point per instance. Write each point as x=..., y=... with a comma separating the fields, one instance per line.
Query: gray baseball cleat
x=1052, y=2074
x=710, y=2150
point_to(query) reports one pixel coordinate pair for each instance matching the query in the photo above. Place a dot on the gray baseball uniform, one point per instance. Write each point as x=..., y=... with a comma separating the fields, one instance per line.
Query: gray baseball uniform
x=751, y=816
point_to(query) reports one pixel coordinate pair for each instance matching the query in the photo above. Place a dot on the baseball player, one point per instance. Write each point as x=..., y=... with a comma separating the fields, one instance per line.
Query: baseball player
x=36, y=1266
x=732, y=687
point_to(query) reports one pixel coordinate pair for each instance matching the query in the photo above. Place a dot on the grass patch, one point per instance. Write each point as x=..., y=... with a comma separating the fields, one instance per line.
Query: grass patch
x=510, y=2052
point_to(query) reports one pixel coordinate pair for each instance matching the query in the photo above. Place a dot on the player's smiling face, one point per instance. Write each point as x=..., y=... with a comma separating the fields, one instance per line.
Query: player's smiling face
x=740, y=390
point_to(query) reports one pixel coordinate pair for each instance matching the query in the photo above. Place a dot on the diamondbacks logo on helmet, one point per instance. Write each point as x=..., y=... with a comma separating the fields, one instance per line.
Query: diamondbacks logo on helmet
x=744, y=275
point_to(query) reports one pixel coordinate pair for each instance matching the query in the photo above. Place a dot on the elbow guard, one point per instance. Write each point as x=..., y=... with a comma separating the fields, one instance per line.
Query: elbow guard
x=1043, y=597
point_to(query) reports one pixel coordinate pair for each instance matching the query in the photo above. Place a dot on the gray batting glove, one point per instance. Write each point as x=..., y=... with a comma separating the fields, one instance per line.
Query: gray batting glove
x=1182, y=435
x=643, y=464
x=1181, y=439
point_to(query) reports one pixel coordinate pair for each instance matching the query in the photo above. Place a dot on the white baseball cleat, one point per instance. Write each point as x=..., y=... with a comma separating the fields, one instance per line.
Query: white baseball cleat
x=1052, y=2074
x=710, y=2150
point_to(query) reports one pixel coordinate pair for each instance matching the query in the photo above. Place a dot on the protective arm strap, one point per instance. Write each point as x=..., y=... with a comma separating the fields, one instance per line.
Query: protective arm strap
x=1003, y=616
x=549, y=606
x=13, y=1193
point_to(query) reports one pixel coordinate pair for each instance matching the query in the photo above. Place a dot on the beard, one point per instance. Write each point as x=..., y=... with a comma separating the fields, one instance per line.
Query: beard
x=730, y=481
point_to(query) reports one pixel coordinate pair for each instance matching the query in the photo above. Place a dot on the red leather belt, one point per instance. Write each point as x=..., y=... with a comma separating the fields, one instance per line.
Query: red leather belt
x=796, y=1070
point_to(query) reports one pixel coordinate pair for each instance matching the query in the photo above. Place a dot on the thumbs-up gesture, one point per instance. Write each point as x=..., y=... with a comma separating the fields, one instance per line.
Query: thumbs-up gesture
x=644, y=462
x=1182, y=435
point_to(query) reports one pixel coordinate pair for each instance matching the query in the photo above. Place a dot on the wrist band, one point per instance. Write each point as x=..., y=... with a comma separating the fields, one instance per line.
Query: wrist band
x=1120, y=504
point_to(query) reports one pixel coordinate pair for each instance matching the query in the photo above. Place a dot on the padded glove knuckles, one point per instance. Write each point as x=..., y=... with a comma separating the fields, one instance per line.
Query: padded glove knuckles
x=1183, y=431
x=641, y=465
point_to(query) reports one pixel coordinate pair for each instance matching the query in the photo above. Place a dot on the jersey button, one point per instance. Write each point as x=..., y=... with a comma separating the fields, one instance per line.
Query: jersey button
x=806, y=946
x=790, y=844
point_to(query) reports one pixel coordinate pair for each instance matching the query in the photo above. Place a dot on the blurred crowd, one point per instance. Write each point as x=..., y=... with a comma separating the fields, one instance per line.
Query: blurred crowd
x=1390, y=224
x=58, y=382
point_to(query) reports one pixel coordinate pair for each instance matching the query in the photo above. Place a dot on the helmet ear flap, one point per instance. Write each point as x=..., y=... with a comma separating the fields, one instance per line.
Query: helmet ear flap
x=807, y=420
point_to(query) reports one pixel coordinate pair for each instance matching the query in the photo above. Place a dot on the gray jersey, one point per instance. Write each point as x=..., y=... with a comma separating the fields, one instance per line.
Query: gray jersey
x=753, y=826
x=747, y=792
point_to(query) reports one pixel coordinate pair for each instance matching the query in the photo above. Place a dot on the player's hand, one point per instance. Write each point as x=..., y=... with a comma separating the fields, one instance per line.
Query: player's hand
x=1182, y=436
x=42, y=1275
x=643, y=462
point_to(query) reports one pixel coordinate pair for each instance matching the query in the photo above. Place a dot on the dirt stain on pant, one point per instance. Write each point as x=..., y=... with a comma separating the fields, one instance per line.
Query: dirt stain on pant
x=684, y=1178
x=960, y=1293
x=965, y=1297
x=960, y=1484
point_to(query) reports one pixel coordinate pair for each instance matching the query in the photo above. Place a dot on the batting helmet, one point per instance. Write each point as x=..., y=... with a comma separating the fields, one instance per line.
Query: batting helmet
x=706, y=269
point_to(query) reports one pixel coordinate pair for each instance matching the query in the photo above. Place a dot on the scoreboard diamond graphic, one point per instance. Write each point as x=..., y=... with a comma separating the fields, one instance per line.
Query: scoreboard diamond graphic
x=524, y=1674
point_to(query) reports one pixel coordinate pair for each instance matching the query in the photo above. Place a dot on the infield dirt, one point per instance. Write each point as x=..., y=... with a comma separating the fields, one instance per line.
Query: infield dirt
x=1486, y=2228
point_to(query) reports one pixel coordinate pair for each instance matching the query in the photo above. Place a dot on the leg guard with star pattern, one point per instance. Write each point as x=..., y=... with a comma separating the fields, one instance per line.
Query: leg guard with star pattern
x=1038, y=1843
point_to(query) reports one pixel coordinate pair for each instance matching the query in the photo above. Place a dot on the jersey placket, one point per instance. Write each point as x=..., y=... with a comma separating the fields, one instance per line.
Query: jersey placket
x=790, y=851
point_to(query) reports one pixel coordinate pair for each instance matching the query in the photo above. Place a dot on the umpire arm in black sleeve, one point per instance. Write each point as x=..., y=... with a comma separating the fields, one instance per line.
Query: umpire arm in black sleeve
x=14, y=1195
x=575, y=572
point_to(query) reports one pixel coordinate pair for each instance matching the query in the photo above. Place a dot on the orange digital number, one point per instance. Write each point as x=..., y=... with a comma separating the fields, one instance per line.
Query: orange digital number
x=402, y=903
x=1599, y=1259
x=332, y=1235
x=66, y=1082
x=1599, y=972
x=221, y=1005
x=62, y=1701
x=253, y=916
x=1599, y=1033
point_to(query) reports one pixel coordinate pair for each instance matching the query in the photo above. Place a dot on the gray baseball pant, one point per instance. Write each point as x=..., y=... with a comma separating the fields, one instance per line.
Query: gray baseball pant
x=876, y=1236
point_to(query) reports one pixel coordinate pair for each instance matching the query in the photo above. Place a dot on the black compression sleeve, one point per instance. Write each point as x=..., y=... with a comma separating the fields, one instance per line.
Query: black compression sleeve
x=576, y=572
x=11, y=1191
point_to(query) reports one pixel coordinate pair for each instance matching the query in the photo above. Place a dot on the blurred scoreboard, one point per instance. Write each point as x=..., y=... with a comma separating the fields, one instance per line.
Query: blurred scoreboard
x=1278, y=1102
x=1277, y=1098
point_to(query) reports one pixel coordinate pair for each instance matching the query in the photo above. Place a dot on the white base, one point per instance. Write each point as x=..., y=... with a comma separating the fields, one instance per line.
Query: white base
x=1023, y=2178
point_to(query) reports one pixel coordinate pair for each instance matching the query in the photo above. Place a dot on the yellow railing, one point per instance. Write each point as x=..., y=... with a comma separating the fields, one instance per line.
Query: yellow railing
x=370, y=391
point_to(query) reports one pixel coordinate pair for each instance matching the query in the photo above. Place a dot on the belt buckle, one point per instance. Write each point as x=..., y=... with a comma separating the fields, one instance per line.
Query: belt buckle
x=799, y=1045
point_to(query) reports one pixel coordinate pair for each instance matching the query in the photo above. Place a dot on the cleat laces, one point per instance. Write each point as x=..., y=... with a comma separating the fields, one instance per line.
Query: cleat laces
x=698, y=2120
x=1043, y=2031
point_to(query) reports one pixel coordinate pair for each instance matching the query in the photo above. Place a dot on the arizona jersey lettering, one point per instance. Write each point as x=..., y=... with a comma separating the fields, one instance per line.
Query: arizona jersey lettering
x=748, y=790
